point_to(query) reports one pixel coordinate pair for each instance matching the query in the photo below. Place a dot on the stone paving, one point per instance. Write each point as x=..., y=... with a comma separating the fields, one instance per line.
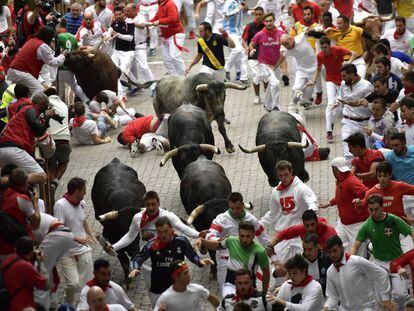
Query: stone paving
x=243, y=170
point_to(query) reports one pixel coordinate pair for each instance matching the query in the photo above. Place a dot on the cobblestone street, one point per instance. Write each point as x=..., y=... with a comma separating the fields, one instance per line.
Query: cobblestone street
x=243, y=170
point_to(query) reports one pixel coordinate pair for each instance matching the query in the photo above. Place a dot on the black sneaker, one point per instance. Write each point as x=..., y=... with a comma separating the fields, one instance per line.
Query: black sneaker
x=285, y=80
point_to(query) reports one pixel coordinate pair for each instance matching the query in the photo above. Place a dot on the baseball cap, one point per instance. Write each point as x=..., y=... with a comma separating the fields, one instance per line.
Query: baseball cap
x=340, y=164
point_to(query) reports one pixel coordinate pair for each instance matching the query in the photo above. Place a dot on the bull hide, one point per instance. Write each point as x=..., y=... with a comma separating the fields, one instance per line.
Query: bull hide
x=93, y=73
x=116, y=187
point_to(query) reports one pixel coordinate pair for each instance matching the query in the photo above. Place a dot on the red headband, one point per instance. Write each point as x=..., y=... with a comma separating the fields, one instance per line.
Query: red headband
x=179, y=270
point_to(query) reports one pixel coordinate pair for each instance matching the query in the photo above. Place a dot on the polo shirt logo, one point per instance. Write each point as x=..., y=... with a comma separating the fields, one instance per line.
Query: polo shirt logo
x=387, y=232
x=215, y=43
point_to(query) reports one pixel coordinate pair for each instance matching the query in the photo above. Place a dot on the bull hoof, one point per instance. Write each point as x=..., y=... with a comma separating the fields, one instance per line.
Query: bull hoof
x=230, y=149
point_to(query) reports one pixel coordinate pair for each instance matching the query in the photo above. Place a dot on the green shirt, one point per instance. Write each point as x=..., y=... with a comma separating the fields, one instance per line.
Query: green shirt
x=245, y=257
x=67, y=41
x=384, y=236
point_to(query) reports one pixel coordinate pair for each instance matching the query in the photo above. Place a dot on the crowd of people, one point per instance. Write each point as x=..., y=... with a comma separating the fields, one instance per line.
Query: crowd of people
x=359, y=51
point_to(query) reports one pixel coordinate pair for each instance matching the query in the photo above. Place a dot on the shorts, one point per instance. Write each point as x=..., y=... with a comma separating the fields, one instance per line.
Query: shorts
x=62, y=154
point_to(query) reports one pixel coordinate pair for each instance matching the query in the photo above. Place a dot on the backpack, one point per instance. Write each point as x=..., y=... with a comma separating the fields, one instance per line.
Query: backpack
x=10, y=228
x=5, y=296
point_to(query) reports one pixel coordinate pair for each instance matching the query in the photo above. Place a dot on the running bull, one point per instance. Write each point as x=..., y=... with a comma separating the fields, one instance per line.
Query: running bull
x=96, y=72
x=116, y=187
x=190, y=134
x=201, y=89
x=278, y=138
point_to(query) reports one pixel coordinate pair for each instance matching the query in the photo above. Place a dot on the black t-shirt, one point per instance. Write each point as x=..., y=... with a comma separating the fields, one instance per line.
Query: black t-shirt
x=215, y=44
x=390, y=98
x=124, y=29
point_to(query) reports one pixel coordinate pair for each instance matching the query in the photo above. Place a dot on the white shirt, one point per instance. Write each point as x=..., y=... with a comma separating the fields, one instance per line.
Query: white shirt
x=409, y=134
x=56, y=130
x=303, y=53
x=114, y=294
x=358, y=90
x=396, y=66
x=287, y=206
x=47, y=55
x=83, y=134
x=149, y=230
x=73, y=217
x=104, y=17
x=140, y=35
x=310, y=296
x=3, y=18
x=116, y=307
x=335, y=14
x=401, y=44
x=87, y=37
x=271, y=6
x=353, y=284
x=192, y=299
x=45, y=221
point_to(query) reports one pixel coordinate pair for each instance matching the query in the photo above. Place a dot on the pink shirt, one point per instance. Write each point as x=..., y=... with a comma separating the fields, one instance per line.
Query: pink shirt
x=269, y=45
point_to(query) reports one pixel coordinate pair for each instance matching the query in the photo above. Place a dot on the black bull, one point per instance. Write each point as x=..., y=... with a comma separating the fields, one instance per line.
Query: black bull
x=190, y=134
x=278, y=138
x=116, y=187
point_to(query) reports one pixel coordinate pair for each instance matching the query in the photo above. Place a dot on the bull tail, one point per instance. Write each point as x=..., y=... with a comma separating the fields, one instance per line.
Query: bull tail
x=144, y=85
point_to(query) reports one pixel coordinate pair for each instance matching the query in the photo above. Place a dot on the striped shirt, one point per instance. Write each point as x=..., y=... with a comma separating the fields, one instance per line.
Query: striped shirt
x=233, y=17
x=73, y=24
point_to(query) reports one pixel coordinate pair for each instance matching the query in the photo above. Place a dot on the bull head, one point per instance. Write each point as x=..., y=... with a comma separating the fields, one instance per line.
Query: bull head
x=262, y=148
x=174, y=152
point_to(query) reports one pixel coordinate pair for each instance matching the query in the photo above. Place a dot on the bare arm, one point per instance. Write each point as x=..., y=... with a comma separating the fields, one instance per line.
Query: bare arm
x=194, y=62
x=88, y=230
x=266, y=280
x=98, y=141
x=211, y=244
x=356, y=247
x=371, y=174
x=32, y=16
x=35, y=218
x=214, y=300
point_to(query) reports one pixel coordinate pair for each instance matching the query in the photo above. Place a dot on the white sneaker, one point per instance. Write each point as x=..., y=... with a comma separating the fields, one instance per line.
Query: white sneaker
x=256, y=100
x=134, y=148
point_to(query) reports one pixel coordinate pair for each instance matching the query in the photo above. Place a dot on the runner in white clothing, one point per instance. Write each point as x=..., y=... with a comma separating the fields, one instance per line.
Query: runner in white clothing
x=147, y=10
x=96, y=301
x=143, y=223
x=183, y=295
x=227, y=224
x=287, y=203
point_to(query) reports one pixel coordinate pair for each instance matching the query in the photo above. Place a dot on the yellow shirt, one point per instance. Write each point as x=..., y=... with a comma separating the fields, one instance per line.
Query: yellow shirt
x=299, y=28
x=351, y=40
x=404, y=8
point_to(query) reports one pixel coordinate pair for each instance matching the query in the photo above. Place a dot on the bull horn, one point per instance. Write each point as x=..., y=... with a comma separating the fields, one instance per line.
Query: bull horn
x=248, y=205
x=202, y=87
x=387, y=18
x=168, y=155
x=236, y=86
x=295, y=144
x=108, y=216
x=194, y=214
x=208, y=147
x=255, y=149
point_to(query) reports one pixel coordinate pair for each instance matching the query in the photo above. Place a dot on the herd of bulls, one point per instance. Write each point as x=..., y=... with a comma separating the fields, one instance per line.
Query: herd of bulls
x=204, y=185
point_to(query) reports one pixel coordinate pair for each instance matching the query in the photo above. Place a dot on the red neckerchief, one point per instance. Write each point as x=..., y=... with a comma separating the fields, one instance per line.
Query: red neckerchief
x=62, y=30
x=237, y=297
x=338, y=265
x=106, y=308
x=408, y=122
x=78, y=121
x=71, y=200
x=397, y=35
x=304, y=282
x=408, y=90
x=281, y=187
x=94, y=283
x=269, y=32
x=159, y=245
x=342, y=176
x=281, y=25
x=147, y=218
x=83, y=24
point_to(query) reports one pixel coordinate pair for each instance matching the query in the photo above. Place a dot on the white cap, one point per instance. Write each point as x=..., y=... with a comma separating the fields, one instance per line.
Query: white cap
x=340, y=164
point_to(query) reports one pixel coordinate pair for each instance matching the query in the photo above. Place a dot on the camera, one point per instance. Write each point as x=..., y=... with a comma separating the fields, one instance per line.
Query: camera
x=58, y=118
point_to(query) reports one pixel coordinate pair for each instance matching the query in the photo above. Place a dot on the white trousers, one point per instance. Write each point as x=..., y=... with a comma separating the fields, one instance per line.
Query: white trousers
x=54, y=245
x=172, y=54
x=348, y=234
x=237, y=58
x=399, y=286
x=76, y=270
x=48, y=75
x=222, y=259
x=287, y=249
x=189, y=11
x=211, y=7
x=349, y=127
x=217, y=74
x=301, y=78
x=149, y=12
x=361, y=66
x=124, y=117
x=123, y=60
x=17, y=76
x=272, y=92
x=66, y=77
x=331, y=112
x=141, y=65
